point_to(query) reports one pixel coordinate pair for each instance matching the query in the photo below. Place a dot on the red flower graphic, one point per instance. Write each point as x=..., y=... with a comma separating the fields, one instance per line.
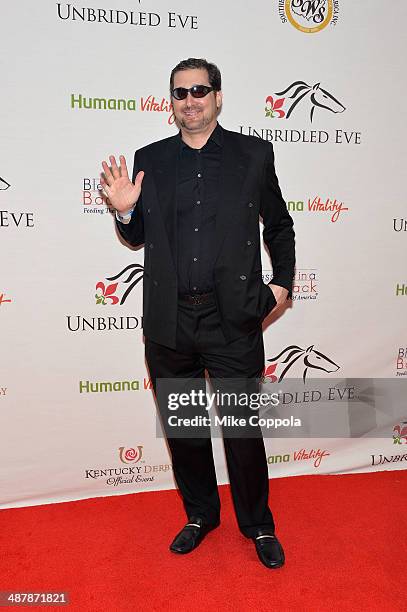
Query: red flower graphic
x=107, y=293
x=273, y=108
x=268, y=374
x=130, y=454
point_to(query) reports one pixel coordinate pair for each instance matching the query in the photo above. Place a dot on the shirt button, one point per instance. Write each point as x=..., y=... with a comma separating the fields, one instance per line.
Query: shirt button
x=194, y=288
x=250, y=204
x=243, y=277
x=199, y=175
x=198, y=201
x=151, y=245
x=155, y=283
x=195, y=258
x=196, y=229
x=148, y=210
x=248, y=242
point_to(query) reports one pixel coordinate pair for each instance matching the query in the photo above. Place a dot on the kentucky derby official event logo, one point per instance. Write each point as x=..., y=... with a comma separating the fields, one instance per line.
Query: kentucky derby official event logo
x=4, y=184
x=128, y=278
x=130, y=455
x=309, y=16
x=400, y=433
x=306, y=359
x=135, y=471
x=312, y=96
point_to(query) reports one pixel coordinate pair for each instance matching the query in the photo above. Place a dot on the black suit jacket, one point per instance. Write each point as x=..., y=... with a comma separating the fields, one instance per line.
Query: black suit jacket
x=249, y=188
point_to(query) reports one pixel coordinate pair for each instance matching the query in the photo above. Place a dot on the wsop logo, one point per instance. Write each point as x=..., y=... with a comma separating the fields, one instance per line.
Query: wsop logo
x=309, y=16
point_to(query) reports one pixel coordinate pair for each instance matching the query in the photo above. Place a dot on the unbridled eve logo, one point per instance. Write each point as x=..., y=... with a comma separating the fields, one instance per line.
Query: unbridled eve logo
x=129, y=277
x=306, y=103
x=130, y=455
x=299, y=92
x=111, y=293
x=307, y=359
x=309, y=16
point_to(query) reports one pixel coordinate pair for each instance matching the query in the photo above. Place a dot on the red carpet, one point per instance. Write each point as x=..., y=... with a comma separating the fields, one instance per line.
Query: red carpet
x=344, y=538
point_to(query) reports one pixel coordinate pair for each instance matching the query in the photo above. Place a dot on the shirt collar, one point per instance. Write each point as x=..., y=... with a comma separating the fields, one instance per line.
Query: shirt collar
x=216, y=137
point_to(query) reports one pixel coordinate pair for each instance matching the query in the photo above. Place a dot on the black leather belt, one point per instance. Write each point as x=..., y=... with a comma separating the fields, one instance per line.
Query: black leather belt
x=197, y=298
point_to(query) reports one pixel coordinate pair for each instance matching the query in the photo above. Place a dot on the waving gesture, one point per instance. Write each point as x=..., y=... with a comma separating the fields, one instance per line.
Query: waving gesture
x=117, y=186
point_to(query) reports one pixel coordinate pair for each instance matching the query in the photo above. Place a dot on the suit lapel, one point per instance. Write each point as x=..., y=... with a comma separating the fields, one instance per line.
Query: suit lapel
x=234, y=168
x=165, y=178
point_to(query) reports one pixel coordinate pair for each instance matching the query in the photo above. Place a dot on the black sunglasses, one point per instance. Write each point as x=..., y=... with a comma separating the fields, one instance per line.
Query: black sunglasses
x=196, y=91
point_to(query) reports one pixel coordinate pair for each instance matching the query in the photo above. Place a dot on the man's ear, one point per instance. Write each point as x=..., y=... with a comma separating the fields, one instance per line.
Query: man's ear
x=219, y=99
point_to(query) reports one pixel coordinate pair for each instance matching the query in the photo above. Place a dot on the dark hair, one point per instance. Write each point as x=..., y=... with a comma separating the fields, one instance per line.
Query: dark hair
x=215, y=79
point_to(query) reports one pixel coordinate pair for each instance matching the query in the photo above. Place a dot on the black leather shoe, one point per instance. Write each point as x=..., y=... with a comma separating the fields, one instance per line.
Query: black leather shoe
x=269, y=549
x=191, y=535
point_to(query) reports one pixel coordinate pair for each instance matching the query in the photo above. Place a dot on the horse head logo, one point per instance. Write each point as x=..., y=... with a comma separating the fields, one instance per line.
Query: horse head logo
x=132, y=274
x=316, y=96
x=311, y=358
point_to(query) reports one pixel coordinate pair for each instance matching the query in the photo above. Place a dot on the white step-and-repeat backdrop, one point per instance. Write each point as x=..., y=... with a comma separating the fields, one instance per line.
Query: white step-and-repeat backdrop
x=324, y=80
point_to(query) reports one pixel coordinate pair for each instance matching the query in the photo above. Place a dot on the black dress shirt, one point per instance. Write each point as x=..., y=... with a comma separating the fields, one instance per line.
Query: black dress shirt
x=197, y=202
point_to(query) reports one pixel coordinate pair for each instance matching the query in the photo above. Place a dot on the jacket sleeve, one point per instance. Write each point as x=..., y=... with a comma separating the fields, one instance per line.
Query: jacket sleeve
x=133, y=232
x=278, y=230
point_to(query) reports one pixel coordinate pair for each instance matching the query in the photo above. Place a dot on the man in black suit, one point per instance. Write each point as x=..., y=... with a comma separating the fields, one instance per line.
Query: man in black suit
x=194, y=202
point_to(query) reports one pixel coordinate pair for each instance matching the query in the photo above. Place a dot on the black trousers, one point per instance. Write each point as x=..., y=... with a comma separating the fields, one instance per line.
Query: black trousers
x=201, y=346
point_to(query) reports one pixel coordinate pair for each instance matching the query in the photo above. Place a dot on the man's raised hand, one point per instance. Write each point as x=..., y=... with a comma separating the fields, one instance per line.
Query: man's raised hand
x=117, y=186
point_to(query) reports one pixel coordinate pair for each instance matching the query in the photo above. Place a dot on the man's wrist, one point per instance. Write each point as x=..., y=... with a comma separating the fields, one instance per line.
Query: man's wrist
x=124, y=217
